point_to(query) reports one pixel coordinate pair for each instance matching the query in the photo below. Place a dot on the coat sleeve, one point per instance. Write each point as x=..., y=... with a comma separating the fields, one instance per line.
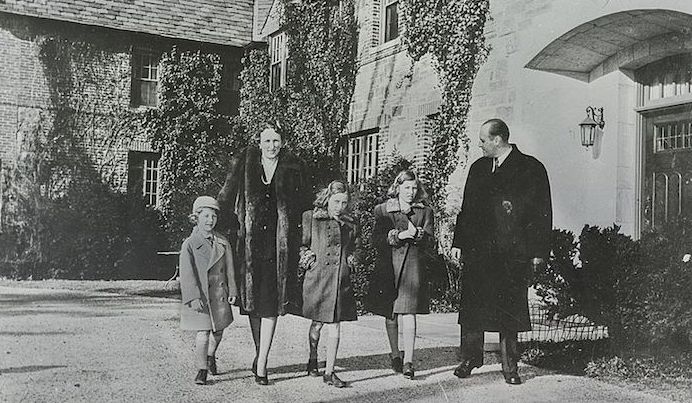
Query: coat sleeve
x=465, y=216
x=230, y=272
x=189, y=288
x=228, y=220
x=541, y=224
x=428, y=234
x=306, y=257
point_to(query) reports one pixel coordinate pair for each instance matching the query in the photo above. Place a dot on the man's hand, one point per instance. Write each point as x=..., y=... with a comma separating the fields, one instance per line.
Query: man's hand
x=197, y=305
x=456, y=253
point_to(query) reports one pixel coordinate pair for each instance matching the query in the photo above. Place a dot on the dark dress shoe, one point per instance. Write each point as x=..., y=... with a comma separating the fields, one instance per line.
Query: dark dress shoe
x=464, y=369
x=332, y=379
x=397, y=364
x=513, y=379
x=312, y=367
x=211, y=365
x=261, y=380
x=201, y=378
x=408, y=370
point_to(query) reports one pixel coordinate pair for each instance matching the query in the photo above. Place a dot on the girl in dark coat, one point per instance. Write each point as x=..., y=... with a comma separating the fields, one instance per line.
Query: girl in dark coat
x=328, y=238
x=263, y=199
x=207, y=285
x=404, y=227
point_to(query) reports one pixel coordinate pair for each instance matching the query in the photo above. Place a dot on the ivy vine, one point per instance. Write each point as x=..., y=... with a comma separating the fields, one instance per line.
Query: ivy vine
x=313, y=106
x=451, y=31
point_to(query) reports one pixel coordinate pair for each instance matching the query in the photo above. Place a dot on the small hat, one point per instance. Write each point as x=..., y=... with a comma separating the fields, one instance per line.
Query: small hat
x=205, y=201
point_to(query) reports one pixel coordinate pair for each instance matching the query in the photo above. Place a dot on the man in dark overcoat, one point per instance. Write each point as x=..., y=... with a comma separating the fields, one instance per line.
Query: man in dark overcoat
x=502, y=233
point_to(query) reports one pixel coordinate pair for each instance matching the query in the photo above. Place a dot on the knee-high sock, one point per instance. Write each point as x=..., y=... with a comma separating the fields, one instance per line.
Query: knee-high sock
x=314, y=338
x=201, y=347
x=393, y=335
x=409, y=325
x=214, y=341
x=332, y=345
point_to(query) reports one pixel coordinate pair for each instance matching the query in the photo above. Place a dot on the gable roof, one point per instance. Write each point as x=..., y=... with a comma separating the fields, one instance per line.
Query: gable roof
x=225, y=22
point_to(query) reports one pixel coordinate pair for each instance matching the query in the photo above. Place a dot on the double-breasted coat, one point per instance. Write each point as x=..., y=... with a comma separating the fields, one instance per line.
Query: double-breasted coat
x=504, y=222
x=398, y=284
x=206, y=273
x=244, y=208
x=327, y=290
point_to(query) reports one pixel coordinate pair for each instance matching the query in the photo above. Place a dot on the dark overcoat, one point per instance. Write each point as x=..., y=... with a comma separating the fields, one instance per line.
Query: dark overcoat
x=327, y=291
x=399, y=283
x=504, y=222
x=206, y=273
x=241, y=208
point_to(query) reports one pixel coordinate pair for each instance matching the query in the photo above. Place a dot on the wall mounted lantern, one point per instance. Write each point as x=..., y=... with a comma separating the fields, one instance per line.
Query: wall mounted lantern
x=594, y=119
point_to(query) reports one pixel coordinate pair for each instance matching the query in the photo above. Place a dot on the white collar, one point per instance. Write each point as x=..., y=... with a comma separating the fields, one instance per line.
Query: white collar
x=502, y=157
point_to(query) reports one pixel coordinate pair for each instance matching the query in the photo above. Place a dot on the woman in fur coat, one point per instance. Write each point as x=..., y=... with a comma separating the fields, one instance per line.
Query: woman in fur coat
x=263, y=198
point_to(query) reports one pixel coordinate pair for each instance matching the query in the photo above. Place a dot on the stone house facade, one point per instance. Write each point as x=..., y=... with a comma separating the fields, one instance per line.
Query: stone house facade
x=124, y=42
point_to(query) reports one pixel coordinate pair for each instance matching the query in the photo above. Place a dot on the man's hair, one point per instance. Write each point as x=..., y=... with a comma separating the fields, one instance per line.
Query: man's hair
x=496, y=127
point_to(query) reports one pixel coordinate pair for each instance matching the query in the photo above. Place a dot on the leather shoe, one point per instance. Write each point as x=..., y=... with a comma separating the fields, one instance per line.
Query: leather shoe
x=397, y=364
x=211, y=365
x=332, y=379
x=261, y=380
x=464, y=369
x=408, y=370
x=513, y=379
x=201, y=378
x=312, y=367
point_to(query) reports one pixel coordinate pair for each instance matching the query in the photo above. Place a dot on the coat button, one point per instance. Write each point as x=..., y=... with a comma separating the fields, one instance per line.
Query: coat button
x=264, y=227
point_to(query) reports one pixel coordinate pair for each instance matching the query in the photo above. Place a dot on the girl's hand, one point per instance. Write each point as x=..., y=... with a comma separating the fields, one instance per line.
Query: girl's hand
x=231, y=300
x=197, y=305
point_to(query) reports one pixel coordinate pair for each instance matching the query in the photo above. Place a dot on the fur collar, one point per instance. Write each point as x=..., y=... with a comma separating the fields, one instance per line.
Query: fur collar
x=392, y=205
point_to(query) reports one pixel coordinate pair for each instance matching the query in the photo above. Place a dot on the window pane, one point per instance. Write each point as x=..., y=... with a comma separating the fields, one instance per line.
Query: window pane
x=391, y=30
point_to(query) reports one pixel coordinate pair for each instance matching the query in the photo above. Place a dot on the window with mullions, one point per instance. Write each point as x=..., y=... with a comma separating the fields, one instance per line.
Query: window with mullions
x=145, y=79
x=144, y=176
x=359, y=157
x=278, y=51
x=391, y=20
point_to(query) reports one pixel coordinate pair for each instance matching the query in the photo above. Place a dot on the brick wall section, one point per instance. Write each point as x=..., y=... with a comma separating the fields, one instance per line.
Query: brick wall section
x=391, y=94
x=25, y=95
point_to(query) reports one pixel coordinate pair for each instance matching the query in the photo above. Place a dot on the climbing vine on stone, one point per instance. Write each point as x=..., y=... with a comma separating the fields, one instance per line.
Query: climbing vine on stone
x=313, y=107
x=451, y=31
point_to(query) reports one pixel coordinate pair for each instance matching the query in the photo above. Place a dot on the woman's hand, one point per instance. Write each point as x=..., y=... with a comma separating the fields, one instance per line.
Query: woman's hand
x=197, y=305
x=409, y=233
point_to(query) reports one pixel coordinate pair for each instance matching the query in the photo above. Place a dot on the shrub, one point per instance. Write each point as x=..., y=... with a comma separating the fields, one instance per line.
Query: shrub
x=638, y=289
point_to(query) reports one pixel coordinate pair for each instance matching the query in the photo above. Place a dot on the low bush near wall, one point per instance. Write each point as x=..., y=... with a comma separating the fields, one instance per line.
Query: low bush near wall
x=638, y=289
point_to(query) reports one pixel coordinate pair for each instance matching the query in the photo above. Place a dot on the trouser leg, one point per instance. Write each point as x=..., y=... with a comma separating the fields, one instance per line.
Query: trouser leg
x=509, y=350
x=472, y=345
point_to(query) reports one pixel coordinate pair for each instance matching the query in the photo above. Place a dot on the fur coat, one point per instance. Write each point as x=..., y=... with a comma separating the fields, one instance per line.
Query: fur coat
x=240, y=204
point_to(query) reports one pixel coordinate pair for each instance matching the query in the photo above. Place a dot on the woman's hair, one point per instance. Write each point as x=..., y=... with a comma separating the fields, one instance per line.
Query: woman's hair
x=403, y=176
x=333, y=188
x=273, y=126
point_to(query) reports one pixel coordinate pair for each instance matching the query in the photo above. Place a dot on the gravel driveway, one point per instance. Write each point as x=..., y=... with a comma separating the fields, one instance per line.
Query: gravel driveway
x=83, y=345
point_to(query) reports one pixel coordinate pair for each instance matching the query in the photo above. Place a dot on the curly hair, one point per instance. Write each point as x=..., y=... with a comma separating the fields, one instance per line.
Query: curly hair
x=408, y=175
x=333, y=188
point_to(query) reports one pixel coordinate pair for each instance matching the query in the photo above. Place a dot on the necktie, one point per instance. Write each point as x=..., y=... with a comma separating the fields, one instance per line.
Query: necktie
x=496, y=164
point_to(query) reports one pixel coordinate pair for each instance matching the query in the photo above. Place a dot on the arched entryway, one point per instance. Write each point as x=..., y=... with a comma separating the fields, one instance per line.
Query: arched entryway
x=654, y=49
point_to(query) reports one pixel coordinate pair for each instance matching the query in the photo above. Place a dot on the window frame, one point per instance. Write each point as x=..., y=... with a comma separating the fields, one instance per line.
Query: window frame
x=278, y=60
x=145, y=60
x=385, y=35
x=360, y=155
